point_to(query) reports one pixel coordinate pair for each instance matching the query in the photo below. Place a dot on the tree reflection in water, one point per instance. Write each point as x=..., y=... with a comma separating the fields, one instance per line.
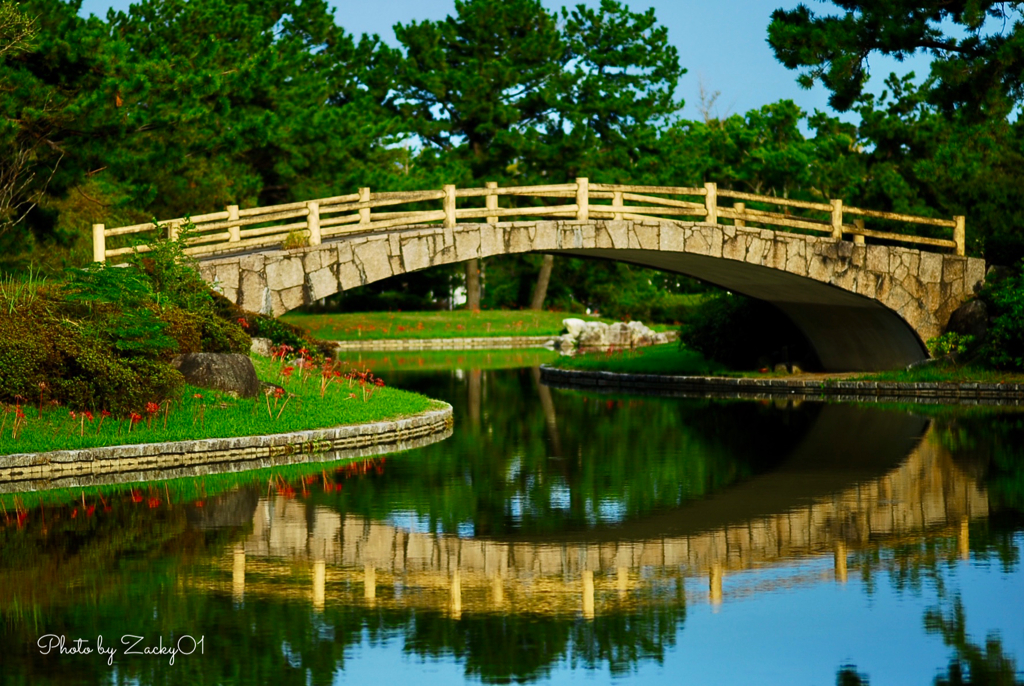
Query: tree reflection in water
x=527, y=470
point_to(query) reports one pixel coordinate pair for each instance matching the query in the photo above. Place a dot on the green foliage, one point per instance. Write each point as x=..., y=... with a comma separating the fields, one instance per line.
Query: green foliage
x=949, y=343
x=743, y=333
x=1004, y=343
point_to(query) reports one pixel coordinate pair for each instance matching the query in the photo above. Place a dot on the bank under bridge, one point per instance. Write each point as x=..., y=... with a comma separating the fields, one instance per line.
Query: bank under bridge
x=865, y=286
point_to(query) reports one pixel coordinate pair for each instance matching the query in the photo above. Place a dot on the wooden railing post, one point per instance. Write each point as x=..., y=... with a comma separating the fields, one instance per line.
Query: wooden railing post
x=837, y=219
x=739, y=207
x=582, y=199
x=172, y=231
x=99, y=243
x=960, y=235
x=449, y=206
x=364, y=212
x=234, y=232
x=313, y=222
x=492, y=200
x=711, y=203
x=617, y=203
x=858, y=239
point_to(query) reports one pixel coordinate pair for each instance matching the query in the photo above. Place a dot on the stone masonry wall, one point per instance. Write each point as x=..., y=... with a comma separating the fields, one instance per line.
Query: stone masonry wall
x=922, y=287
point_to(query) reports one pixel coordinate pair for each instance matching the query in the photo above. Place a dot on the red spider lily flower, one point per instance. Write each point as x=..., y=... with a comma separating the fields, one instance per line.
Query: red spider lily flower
x=104, y=414
x=88, y=415
x=21, y=519
x=153, y=503
x=278, y=393
x=243, y=322
x=152, y=408
x=199, y=503
x=89, y=510
x=72, y=414
x=303, y=351
x=135, y=418
x=287, y=371
x=74, y=513
x=286, y=491
x=197, y=396
x=351, y=395
x=19, y=413
x=379, y=382
x=136, y=497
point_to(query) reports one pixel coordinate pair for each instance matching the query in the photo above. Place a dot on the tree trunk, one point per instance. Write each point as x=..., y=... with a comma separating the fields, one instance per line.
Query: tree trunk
x=472, y=285
x=540, y=291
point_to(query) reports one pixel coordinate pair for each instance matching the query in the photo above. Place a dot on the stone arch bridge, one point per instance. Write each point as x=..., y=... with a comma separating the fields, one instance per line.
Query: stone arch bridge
x=863, y=306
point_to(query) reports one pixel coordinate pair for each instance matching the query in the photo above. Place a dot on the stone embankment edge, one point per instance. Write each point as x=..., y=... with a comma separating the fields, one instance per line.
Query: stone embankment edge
x=477, y=343
x=734, y=387
x=264, y=450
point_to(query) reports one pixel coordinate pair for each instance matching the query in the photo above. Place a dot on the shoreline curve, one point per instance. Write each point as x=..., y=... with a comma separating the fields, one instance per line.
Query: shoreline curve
x=967, y=393
x=21, y=472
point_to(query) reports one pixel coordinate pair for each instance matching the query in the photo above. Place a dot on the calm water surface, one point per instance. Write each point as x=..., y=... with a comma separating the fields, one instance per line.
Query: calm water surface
x=556, y=536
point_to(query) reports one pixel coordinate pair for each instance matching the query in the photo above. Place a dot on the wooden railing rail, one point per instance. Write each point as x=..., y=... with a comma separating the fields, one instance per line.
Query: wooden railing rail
x=236, y=229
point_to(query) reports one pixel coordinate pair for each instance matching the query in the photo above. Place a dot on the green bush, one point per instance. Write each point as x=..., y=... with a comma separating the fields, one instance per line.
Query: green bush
x=1004, y=343
x=103, y=338
x=743, y=333
x=949, y=343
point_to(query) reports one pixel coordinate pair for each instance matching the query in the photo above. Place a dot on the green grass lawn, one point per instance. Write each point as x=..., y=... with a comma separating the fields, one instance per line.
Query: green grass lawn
x=201, y=413
x=433, y=324
x=944, y=373
x=656, y=359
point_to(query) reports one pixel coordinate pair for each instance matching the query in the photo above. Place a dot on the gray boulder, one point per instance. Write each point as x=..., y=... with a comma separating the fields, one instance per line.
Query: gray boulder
x=970, y=319
x=228, y=372
x=262, y=346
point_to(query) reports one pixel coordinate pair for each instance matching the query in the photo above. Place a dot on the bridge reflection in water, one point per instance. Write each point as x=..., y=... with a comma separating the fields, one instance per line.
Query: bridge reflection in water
x=297, y=550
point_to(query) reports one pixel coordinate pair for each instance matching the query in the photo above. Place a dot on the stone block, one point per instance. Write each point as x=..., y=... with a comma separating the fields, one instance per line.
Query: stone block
x=953, y=269
x=372, y=257
x=546, y=236
x=647, y=236
x=931, y=267
x=416, y=254
x=671, y=238
x=734, y=248
x=344, y=251
x=818, y=269
x=285, y=273
x=292, y=298
x=252, y=263
x=311, y=260
x=321, y=283
x=975, y=275
x=878, y=259
x=227, y=275
x=349, y=276
x=519, y=240
x=253, y=294
x=618, y=233
x=490, y=243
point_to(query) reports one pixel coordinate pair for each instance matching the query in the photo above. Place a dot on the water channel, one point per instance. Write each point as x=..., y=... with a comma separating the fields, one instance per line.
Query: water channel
x=556, y=536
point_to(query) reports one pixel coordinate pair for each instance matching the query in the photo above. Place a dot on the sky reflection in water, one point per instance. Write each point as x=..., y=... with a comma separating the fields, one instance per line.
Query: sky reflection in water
x=559, y=536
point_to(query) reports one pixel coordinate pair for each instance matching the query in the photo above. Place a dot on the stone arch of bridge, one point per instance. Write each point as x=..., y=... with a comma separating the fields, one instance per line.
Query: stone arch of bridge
x=862, y=307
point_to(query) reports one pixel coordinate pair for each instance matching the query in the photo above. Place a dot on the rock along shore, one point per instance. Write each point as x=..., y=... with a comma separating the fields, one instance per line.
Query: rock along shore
x=968, y=393
x=170, y=460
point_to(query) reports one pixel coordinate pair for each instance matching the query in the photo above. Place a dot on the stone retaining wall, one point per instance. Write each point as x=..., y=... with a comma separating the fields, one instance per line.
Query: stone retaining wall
x=152, y=461
x=480, y=343
x=802, y=389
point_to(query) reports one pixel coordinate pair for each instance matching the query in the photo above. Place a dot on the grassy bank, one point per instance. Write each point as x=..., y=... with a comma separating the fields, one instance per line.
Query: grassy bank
x=656, y=359
x=432, y=324
x=433, y=360
x=310, y=400
x=669, y=359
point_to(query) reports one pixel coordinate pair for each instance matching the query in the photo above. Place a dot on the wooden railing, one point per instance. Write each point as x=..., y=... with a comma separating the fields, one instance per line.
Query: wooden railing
x=311, y=222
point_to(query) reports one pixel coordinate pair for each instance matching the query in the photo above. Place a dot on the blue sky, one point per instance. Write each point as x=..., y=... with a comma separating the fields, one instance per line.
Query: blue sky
x=721, y=43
